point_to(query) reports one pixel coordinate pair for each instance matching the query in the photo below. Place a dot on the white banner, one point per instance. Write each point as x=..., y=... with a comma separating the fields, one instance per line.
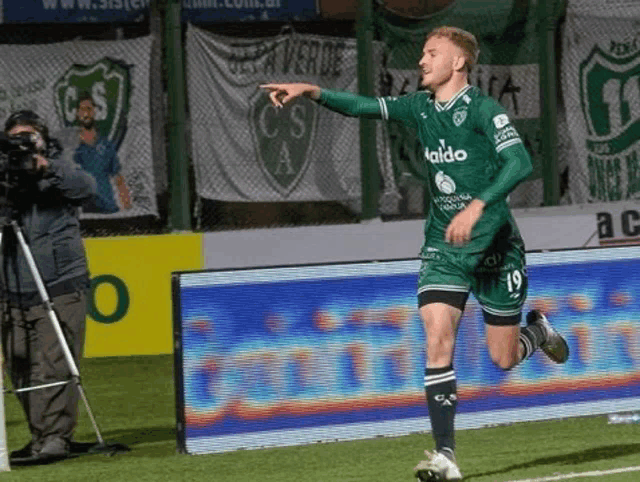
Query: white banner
x=246, y=150
x=50, y=78
x=601, y=84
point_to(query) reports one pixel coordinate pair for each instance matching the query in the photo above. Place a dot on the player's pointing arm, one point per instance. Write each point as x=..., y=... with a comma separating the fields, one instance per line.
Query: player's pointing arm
x=342, y=102
x=280, y=94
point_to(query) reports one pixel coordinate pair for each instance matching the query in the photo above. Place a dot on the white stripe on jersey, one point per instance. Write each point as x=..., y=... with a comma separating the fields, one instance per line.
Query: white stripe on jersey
x=509, y=143
x=453, y=100
x=383, y=108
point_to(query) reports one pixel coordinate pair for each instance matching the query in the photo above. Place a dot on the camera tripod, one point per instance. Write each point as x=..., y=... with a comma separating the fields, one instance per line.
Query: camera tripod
x=77, y=448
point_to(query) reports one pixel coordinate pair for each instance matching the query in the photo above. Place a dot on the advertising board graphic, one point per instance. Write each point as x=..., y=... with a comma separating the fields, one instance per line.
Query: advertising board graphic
x=74, y=11
x=130, y=306
x=216, y=11
x=132, y=11
x=283, y=356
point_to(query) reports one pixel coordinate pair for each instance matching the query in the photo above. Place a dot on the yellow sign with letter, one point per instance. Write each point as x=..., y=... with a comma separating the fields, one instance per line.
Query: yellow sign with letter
x=130, y=300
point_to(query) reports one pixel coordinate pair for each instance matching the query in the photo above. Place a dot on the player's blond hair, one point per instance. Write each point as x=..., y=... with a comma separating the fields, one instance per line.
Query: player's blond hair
x=463, y=39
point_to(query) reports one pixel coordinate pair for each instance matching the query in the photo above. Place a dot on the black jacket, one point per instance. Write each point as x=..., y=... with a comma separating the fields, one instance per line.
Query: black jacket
x=47, y=214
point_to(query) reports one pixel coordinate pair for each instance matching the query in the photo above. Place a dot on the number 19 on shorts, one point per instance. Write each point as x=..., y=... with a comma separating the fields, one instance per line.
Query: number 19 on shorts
x=515, y=283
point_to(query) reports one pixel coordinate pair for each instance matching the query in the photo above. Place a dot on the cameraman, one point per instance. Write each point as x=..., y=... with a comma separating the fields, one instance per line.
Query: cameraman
x=44, y=202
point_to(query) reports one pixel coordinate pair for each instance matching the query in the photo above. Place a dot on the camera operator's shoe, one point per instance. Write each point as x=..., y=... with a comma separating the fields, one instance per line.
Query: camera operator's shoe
x=554, y=346
x=437, y=467
x=25, y=453
x=54, y=449
x=51, y=451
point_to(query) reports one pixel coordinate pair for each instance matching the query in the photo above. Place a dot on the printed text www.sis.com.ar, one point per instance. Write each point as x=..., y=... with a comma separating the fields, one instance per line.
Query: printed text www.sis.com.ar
x=126, y=5
x=131, y=5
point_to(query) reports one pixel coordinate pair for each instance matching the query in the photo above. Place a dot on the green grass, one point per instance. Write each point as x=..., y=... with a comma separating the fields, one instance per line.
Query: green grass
x=133, y=401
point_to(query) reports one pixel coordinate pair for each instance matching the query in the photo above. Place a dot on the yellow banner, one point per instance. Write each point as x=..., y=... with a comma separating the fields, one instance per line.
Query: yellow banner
x=130, y=299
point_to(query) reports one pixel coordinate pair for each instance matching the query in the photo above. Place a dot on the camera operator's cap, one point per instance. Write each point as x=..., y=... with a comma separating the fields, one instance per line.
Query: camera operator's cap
x=27, y=117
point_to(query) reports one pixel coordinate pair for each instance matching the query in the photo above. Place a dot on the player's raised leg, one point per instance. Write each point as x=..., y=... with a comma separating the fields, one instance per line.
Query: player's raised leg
x=553, y=345
x=509, y=343
x=502, y=291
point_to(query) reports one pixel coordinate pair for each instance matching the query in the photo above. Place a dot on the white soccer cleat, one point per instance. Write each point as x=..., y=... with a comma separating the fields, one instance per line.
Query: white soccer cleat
x=437, y=467
x=555, y=346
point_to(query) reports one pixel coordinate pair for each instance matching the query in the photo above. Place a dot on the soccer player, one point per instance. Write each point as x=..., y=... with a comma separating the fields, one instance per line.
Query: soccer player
x=474, y=157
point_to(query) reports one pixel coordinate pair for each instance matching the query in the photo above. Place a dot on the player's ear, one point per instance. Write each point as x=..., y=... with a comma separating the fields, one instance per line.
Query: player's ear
x=459, y=61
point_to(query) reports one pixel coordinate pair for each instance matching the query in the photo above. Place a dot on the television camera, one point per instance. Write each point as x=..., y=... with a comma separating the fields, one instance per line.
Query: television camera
x=17, y=153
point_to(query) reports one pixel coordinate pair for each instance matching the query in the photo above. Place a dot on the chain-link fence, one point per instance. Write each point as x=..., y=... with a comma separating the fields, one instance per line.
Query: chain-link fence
x=47, y=69
x=251, y=166
x=508, y=70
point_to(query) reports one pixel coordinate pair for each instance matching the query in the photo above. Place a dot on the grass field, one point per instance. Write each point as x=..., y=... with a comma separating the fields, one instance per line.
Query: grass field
x=133, y=401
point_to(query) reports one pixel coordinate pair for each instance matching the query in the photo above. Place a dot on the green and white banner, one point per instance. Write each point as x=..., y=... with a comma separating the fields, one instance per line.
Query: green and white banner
x=50, y=78
x=244, y=149
x=601, y=87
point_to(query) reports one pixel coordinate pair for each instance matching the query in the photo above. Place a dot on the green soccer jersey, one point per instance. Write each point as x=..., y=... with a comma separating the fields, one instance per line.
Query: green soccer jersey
x=471, y=151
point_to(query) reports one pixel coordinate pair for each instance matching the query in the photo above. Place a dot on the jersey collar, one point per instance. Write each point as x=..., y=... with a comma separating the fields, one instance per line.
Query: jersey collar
x=449, y=104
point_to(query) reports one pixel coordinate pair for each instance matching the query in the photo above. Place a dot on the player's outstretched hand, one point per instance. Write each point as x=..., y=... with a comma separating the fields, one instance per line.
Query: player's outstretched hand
x=280, y=94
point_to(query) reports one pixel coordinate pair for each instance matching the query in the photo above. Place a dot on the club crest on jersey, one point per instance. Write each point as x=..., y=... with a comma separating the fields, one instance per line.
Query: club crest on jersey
x=459, y=116
x=444, y=183
x=500, y=121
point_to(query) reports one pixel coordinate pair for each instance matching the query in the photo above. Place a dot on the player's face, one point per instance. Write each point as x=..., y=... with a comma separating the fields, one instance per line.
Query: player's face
x=86, y=114
x=440, y=58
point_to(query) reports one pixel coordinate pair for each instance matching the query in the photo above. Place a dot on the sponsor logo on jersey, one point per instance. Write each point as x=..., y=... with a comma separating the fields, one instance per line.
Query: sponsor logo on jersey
x=453, y=202
x=444, y=183
x=459, y=115
x=500, y=121
x=445, y=153
x=505, y=134
x=493, y=260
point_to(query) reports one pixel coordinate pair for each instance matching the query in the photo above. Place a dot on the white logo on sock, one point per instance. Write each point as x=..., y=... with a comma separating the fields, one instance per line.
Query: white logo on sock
x=446, y=401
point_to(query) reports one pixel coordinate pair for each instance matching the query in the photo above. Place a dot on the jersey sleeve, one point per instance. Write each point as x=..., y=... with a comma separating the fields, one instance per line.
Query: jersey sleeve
x=515, y=161
x=400, y=108
x=350, y=104
x=387, y=108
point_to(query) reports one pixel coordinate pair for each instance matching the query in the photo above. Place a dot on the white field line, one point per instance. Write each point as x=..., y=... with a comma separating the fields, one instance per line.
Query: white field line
x=573, y=475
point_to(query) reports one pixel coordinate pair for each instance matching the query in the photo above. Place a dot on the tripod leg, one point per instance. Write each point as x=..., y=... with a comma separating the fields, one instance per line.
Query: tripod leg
x=73, y=368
